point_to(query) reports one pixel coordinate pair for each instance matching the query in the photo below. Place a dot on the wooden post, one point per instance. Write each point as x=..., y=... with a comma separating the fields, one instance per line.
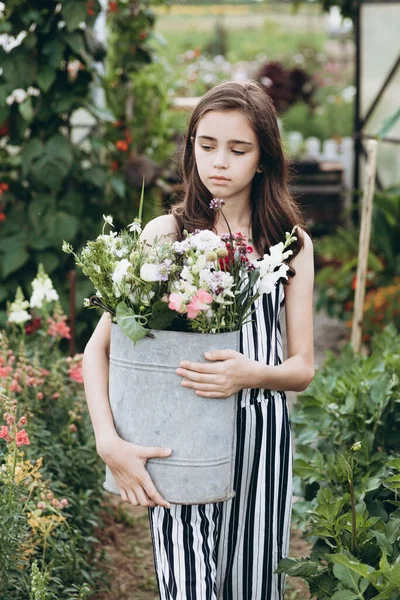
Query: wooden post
x=363, y=248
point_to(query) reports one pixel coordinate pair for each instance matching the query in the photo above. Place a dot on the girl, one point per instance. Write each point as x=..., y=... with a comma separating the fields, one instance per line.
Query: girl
x=228, y=550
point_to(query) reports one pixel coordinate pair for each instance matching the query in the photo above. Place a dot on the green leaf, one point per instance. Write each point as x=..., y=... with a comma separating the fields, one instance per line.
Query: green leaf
x=351, y=564
x=128, y=323
x=383, y=542
x=96, y=176
x=298, y=567
x=346, y=576
x=26, y=110
x=12, y=261
x=162, y=316
x=54, y=164
x=74, y=12
x=345, y=595
x=33, y=149
x=119, y=186
x=45, y=78
x=19, y=70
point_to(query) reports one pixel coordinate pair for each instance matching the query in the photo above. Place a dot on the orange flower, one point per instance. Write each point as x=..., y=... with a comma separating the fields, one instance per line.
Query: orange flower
x=112, y=7
x=2, y=217
x=354, y=282
x=121, y=145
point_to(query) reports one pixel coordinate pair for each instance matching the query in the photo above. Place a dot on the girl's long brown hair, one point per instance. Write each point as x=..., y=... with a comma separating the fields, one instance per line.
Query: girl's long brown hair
x=273, y=209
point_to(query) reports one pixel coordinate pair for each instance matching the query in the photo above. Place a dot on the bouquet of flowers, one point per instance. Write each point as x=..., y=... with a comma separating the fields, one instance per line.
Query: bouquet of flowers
x=205, y=283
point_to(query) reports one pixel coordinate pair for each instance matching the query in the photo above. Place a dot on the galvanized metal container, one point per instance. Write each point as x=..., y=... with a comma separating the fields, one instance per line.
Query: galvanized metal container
x=151, y=408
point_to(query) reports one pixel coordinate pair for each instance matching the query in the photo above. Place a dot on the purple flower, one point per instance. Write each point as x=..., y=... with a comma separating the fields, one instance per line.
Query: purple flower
x=164, y=269
x=217, y=203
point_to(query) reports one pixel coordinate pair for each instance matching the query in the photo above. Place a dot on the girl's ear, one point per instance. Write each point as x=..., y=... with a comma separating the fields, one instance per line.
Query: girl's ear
x=260, y=168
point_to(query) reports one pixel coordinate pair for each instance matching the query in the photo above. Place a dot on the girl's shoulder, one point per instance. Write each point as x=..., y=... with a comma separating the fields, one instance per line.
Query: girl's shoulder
x=160, y=226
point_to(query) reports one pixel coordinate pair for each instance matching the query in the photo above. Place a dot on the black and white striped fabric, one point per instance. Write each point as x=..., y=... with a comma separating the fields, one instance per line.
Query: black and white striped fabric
x=230, y=550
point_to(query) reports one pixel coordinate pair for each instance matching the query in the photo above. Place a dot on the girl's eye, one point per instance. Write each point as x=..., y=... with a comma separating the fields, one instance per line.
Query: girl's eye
x=237, y=152
x=206, y=148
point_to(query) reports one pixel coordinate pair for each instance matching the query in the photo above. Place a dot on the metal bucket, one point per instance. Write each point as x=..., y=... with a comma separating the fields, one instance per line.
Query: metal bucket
x=151, y=408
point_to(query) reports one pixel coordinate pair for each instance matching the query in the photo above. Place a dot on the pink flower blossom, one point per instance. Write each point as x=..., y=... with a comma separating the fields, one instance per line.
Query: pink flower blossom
x=55, y=503
x=40, y=395
x=41, y=505
x=3, y=431
x=75, y=373
x=23, y=421
x=56, y=395
x=201, y=301
x=72, y=427
x=5, y=371
x=64, y=502
x=10, y=420
x=14, y=386
x=176, y=302
x=21, y=438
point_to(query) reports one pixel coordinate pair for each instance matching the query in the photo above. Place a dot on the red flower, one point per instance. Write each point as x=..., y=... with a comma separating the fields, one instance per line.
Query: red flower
x=112, y=7
x=143, y=35
x=2, y=217
x=114, y=165
x=33, y=325
x=354, y=282
x=21, y=438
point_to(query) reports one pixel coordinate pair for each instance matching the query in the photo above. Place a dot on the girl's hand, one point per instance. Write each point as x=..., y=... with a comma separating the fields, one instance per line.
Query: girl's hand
x=126, y=462
x=231, y=373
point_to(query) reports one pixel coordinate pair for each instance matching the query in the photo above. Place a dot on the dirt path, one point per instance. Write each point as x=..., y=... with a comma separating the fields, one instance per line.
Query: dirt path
x=125, y=541
x=128, y=556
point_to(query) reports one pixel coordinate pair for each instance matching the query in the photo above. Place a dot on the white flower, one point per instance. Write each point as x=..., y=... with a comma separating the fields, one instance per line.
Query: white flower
x=17, y=312
x=187, y=275
x=181, y=246
x=32, y=91
x=18, y=96
x=2, y=7
x=135, y=227
x=269, y=280
x=19, y=316
x=108, y=219
x=149, y=272
x=120, y=271
x=43, y=291
x=205, y=240
x=86, y=302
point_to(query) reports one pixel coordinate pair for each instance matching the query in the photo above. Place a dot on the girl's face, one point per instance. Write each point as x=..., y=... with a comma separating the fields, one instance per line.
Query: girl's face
x=227, y=154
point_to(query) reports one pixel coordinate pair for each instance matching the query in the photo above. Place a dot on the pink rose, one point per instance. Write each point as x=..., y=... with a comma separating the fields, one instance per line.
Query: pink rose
x=176, y=302
x=201, y=301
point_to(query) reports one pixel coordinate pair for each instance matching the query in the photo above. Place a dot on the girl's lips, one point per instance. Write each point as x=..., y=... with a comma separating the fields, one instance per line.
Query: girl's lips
x=219, y=180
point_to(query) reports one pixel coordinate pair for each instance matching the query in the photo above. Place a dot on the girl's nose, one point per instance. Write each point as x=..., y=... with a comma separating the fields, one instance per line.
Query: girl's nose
x=220, y=161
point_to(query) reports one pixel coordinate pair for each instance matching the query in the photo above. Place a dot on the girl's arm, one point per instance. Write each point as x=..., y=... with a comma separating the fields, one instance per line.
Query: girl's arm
x=125, y=460
x=233, y=371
